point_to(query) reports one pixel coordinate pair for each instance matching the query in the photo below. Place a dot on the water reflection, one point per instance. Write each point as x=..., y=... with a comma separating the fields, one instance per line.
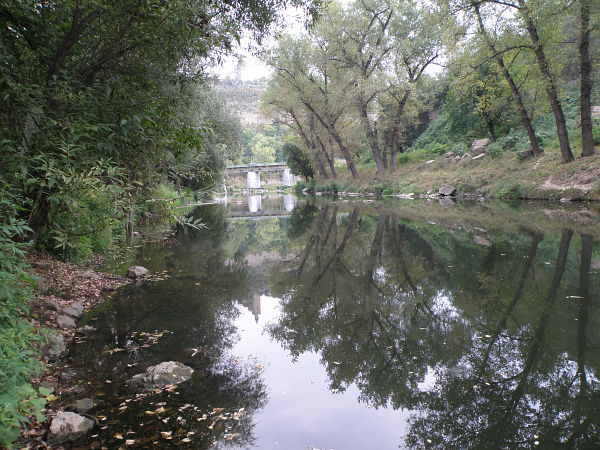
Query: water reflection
x=490, y=339
x=418, y=327
x=254, y=203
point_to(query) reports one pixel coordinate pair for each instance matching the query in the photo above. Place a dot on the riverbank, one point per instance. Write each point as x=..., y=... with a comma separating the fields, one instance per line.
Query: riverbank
x=63, y=295
x=505, y=177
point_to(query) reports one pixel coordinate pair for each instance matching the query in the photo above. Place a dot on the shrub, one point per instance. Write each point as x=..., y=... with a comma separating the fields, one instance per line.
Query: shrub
x=495, y=150
x=18, y=349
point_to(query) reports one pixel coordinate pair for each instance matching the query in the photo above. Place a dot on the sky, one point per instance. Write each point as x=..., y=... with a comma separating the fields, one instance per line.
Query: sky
x=254, y=68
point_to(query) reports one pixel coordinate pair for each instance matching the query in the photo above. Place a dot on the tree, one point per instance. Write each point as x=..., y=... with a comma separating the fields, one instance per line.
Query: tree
x=585, y=61
x=299, y=163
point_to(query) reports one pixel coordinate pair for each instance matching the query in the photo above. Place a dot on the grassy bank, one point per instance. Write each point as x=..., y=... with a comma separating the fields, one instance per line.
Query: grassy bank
x=503, y=176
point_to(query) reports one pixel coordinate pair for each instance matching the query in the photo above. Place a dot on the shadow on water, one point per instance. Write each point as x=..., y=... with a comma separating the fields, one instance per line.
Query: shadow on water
x=483, y=322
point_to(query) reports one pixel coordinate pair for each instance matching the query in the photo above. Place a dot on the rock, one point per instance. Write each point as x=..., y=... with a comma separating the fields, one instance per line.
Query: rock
x=67, y=375
x=161, y=375
x=70, y=311
x=137, y=272
x=40, y=264
x=446, y=201
x=51, y=305
x=68, y=426
x=448, y=154
x=480, y=146
x=82, y=405
x=565, y=200
x=595, y=112
x=77, y=307
x=595, y=264
x=465, y=156
x=108, y=288
x=66, y=322
x=42, y=285
x=478, y=156
x=430, y=161
x=447, y=190
x=480, y=240
x=55, y=345
x=88, y=329
x=88, y=275
x=525, y=154
x=49, y=385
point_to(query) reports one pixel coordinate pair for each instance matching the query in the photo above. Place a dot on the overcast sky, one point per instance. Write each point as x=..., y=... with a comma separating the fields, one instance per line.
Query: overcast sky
x=253, y=67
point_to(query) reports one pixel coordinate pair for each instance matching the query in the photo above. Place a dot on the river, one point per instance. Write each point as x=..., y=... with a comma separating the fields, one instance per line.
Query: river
x=355, y=324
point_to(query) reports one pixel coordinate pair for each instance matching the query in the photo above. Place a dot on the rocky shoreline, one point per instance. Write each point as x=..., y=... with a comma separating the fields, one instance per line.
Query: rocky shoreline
x=63, y=293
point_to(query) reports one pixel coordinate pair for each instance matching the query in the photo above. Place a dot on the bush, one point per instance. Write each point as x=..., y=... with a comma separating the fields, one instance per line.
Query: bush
x=495, y=150
x=18, y=340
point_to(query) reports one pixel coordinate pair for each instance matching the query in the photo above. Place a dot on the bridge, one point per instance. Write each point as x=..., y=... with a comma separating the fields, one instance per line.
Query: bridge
x=253, y=171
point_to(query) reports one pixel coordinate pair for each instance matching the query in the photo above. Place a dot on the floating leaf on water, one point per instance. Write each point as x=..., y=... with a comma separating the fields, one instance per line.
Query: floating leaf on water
x=166, y=434
x=130, y=442
x=118, y=435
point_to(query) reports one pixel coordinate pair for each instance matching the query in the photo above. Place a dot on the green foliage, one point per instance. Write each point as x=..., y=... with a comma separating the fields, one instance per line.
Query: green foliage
x=495, y=150
x=298, y=161
x=509, y=191
x=19, y=345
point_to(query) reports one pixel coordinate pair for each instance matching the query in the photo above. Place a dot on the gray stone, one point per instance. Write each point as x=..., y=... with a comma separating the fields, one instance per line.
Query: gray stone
x=480, y=240
x=42, y=285
x=68, y=426
x=67, y=375
x=525, y=154
x=49, y=385
x=88, y=329
x=448, y=154
x=88, y=275
x=51, y=305
x=40, y=264
x=82, y=405
x=447, y=190
x=478, y=156
x=595, y=112
x=77, y=307
x=70, y=311
x=161, y=375
x=595, y=264
x=480, y=146
x=446, y=201
x=465, y=156
x=137, y=272
x=55, y=345
x=66, y=322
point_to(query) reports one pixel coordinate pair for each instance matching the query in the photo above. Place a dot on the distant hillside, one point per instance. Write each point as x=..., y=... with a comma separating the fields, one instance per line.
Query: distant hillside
x=244, y=98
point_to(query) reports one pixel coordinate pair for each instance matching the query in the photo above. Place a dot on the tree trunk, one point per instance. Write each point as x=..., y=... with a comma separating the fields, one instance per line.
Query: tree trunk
x=525, y=118
x=371, y=137
x=585, y=60
x=544, y=66
x=338, y=140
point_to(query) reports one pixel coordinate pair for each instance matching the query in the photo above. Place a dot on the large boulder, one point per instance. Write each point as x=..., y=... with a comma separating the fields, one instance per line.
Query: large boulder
x=66, y=322
x=161, y=375
x=68, y=426
x=137, y=272
x=479, y=147
x=55, y=345
x=447, y=190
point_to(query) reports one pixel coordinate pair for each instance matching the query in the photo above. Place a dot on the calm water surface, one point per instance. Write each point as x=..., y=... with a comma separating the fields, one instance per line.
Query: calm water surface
x=357, y=325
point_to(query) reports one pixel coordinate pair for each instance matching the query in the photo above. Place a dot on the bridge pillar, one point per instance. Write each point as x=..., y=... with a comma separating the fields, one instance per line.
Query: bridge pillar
x=288, y=179
x=253, y=180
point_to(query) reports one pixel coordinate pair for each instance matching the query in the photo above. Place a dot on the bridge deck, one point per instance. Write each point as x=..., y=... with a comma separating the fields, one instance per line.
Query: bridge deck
x=272, y=167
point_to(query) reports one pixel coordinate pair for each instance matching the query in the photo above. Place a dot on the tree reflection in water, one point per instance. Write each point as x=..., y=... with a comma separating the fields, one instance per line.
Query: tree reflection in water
x=490, y=338
x=197, y=303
